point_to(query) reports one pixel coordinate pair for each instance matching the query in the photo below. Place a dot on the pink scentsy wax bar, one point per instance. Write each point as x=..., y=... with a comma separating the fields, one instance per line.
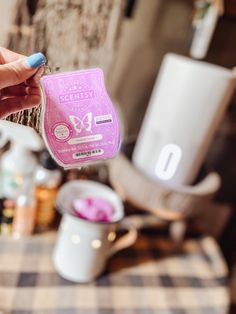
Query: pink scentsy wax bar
x=79, y=122
x=93, y=209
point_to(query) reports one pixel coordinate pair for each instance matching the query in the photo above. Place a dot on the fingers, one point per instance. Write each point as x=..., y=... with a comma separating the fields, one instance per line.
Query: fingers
x=7, y=56
x=35, y=80
x=19, y=81
x=33, y=91
x=18, y=71
x=18, y=90
x=11, y=105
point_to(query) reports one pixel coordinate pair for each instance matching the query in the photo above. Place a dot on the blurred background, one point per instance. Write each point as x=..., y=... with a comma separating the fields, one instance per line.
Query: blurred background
x=128, y=39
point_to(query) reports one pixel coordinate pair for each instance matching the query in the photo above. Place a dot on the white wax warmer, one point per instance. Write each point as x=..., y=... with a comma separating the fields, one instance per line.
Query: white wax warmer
x=188, y=101
x=83, y=247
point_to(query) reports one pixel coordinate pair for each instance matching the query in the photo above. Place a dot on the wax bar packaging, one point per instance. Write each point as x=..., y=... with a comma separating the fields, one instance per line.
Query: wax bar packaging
x=79, y=123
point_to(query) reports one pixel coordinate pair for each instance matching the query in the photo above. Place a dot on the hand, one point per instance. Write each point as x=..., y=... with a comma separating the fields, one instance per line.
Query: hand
x=19, y=81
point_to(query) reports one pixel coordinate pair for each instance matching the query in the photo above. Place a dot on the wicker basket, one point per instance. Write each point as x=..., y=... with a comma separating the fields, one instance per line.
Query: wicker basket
x=168, y=204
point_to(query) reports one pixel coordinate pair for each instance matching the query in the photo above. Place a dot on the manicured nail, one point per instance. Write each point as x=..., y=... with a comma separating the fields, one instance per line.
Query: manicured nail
x=35, y=60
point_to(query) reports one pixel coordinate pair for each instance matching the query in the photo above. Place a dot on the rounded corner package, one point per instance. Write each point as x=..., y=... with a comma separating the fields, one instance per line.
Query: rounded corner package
x=78, y=122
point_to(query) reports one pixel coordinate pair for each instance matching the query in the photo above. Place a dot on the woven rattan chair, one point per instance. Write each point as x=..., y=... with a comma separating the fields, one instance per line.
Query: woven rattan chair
x=173, y=205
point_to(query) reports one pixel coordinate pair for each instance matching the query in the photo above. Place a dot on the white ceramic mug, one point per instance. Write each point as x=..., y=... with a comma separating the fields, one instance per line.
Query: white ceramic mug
x=83, y=247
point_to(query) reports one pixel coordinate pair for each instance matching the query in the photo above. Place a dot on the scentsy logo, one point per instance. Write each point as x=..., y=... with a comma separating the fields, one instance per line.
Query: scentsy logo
x=73, y=89
x=79, y=95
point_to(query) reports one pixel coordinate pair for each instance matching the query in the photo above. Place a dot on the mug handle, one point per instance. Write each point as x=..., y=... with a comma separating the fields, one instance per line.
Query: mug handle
x=126, y=240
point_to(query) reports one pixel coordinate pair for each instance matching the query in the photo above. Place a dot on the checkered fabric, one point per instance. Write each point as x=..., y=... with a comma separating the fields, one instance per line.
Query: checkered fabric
x=151, y=277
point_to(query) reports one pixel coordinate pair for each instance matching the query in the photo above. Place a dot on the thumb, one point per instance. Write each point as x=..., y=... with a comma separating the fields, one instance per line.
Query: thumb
x=16, y=72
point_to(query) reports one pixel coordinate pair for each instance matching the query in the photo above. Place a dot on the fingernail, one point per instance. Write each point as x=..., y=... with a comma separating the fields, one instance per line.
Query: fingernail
x=35, y=60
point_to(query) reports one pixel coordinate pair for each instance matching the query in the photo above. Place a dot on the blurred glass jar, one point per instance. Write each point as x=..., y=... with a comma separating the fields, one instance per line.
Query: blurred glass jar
x=25, y=211
x=8, y=209
x=47, y=179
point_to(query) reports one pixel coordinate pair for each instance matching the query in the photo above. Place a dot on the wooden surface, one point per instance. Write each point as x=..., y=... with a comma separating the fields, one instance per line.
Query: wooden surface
x=7, y=16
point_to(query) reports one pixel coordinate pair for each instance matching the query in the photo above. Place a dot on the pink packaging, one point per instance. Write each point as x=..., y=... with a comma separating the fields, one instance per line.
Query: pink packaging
x=79, y=122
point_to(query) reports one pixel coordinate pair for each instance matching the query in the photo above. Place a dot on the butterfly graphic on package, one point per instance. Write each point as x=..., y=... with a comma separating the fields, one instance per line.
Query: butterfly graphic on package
x=82, y=124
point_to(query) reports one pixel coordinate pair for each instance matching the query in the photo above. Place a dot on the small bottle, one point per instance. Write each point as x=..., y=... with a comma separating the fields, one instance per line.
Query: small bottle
x=18, y=164
x=25, y=214
x=1, y=210
x=7, y=217
x=48, y=178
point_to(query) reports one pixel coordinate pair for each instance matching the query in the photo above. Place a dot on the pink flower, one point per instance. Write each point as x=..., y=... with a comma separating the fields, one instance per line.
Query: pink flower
x=94, y=209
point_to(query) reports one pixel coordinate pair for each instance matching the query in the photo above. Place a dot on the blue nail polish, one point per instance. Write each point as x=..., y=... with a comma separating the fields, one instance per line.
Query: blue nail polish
x=35, y=60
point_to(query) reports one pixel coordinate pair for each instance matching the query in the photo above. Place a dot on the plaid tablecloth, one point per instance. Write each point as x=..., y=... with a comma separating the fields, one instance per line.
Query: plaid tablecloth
x=152, y=277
